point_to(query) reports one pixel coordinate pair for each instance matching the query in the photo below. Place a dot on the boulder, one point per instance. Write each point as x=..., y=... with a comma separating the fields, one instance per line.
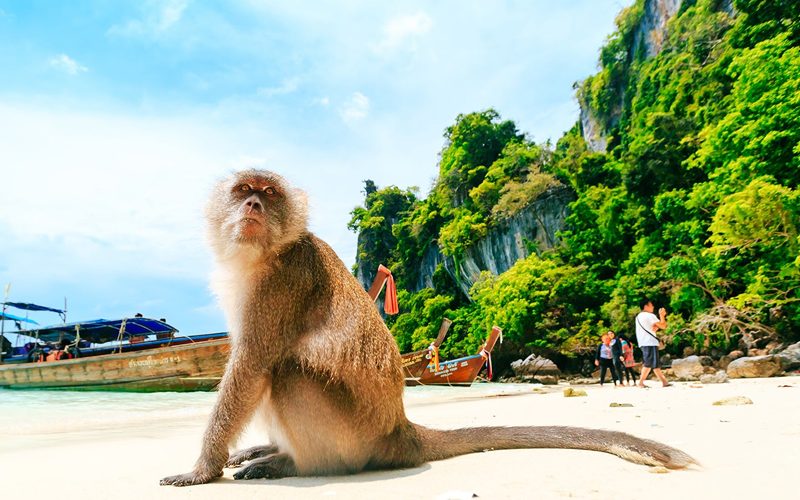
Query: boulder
x=790, y=357
x=754, y=366
x=536, y=368
x=774, y=347
x=719, y=377
x=689, y=368
x=724, y=361
x=736, y=354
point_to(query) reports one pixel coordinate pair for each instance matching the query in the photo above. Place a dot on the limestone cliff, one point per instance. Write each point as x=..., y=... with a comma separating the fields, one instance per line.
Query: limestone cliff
x=649, y=36
x=534, y=227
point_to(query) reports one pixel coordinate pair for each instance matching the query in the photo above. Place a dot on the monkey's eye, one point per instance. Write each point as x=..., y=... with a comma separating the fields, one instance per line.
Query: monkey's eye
x=245, y=187
x=269, y=190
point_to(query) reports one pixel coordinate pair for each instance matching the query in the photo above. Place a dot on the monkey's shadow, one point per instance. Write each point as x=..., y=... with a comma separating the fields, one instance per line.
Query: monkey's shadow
x=314, y=481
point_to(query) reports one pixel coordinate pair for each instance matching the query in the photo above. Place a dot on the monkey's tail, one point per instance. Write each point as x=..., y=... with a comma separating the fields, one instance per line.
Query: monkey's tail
x=441, y=444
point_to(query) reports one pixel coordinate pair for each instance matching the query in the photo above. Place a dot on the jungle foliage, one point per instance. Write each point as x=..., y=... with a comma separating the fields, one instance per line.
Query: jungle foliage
x=694, y=203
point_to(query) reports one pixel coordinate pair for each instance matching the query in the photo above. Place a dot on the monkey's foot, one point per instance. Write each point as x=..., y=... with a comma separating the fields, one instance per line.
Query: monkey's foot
x=250, y=453
x=189, y=478
x=271, y=467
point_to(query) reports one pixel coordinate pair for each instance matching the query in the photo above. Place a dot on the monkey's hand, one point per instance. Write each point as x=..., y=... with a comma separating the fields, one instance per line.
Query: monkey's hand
x=191, y=478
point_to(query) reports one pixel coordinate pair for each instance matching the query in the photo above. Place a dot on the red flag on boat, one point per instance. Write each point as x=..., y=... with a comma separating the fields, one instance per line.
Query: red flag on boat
x=384, y=276
x=390, y=298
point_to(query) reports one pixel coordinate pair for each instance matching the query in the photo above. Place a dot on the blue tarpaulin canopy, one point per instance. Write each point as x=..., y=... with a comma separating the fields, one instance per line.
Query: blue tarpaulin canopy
x=33, y=307
x=19, y=319
x=101, y=330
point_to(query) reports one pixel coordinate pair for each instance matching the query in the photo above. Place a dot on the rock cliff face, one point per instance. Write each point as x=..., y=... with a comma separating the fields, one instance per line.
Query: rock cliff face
x=652, y=29
x=535, y=226
x=648, y=41
x=592, y=130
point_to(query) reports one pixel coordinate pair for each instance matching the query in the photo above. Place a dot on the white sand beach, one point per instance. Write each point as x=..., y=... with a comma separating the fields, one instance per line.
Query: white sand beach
x=746, y=451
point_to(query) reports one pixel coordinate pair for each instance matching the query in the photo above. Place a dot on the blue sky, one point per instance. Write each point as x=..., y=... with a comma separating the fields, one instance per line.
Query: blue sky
x=117, y=117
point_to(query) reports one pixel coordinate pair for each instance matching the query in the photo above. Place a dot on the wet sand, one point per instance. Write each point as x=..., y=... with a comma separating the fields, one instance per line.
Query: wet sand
x=745, y=450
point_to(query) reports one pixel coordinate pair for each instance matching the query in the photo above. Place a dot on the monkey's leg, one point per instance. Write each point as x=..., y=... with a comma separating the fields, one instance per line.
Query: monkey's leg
x=239, y=394
x=271, y=467
x=250, y=453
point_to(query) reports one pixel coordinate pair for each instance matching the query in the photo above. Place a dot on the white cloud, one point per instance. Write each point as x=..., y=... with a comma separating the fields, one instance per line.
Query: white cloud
x=356, y=108
x=403, y=31
x=63, y=62
x=171, y=12
x=159, y=17
x=286, y=87
x=322, y=101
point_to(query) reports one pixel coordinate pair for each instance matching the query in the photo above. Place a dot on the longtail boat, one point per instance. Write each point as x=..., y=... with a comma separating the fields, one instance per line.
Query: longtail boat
x=414, y=363
x=130, y=354
x=460, y=371
x=423, y=367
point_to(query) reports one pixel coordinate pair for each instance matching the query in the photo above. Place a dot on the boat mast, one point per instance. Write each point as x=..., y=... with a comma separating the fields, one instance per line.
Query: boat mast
x=3, y=321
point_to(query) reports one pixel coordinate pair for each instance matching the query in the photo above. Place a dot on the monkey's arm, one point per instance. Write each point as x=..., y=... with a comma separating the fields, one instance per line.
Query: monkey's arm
x=239, y=394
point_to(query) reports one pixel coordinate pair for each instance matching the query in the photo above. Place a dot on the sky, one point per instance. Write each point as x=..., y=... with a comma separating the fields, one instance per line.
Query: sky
x=117, y=117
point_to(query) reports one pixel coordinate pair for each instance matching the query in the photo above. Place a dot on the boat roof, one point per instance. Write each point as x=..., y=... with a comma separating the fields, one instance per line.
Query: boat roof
x=101, y=330
x=32, y=307
x=12, y=317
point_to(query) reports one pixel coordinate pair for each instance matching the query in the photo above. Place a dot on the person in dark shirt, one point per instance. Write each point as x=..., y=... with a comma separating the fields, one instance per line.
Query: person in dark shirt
x=616, y=355
x=604, y=359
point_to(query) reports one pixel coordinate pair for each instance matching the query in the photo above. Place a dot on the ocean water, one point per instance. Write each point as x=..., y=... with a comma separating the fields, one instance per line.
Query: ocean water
x=48, y=414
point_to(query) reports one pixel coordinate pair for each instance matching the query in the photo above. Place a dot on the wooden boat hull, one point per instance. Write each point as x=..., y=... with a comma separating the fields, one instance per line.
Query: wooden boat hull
x=414, y=363
x=461, y=371
x=188, y=367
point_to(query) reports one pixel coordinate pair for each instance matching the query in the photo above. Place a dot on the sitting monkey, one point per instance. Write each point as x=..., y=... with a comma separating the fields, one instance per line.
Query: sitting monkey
x=303, y=333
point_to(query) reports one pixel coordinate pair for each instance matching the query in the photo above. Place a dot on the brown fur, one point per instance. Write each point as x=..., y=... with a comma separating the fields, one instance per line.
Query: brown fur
x=311, y=356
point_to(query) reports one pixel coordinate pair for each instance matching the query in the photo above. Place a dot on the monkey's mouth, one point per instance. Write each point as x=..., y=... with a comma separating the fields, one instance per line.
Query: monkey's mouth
x=250, y=227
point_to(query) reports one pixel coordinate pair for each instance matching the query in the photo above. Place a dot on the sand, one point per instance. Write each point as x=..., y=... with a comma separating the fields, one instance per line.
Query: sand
x=745, y=450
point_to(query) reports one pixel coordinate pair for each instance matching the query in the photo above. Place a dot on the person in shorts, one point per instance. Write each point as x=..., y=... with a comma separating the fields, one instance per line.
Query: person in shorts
x=647, y=324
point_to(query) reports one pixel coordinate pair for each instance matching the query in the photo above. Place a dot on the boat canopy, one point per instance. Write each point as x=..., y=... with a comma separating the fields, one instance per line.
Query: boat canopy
x=18, y=319
x=101, y=330
x=33, y=307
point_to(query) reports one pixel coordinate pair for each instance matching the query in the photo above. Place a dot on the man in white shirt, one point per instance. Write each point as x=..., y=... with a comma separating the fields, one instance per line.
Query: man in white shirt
x=647, y=324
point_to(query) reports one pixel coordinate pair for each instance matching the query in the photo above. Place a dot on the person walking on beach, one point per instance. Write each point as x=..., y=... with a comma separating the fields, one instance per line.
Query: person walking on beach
x=647, y=324
x=627, y=361
x=616, y=355
x=603, y=359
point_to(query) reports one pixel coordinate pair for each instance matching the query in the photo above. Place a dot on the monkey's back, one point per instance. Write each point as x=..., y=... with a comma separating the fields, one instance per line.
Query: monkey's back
x=349, y=342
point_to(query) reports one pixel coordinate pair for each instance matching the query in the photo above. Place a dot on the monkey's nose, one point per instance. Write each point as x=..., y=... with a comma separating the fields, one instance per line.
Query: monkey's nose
x=253, y=204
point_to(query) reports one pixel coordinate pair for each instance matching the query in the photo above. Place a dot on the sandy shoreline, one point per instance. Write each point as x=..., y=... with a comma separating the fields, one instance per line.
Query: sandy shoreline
x=745, y=451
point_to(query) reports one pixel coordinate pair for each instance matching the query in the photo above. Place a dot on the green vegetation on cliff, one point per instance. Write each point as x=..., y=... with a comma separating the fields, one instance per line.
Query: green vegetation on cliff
x=694, y=203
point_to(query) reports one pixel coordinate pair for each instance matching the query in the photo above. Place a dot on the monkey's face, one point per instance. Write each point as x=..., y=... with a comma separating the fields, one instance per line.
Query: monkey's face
x=255, y=208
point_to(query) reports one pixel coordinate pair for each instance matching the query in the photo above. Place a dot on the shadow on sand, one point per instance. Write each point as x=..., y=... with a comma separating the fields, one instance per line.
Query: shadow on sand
x=311, y=482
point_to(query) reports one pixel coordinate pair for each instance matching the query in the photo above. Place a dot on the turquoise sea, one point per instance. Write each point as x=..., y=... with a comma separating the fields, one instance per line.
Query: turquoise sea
x=34, y=415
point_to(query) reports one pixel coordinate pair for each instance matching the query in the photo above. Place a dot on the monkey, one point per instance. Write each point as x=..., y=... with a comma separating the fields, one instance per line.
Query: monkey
x=303, y=334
